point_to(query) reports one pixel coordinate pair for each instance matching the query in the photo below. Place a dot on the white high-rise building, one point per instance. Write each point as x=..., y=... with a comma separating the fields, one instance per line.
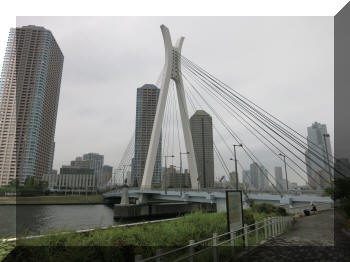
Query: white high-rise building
x=317, y=167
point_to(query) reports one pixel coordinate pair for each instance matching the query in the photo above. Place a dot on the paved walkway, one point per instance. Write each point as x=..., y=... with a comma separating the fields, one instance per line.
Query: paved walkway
x=311, y=239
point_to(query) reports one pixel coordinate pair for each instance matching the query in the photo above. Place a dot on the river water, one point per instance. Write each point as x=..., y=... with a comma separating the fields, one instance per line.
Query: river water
x=40, y=219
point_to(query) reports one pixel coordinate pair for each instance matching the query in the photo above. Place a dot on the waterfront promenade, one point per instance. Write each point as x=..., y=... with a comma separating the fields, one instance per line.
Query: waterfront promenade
x=312, y=238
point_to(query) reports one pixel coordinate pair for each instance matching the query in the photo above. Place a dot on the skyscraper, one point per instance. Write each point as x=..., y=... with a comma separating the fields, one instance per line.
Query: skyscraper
x=146, y=107
x=317, y=167
x=202, y=135
x=96, y=163
x=280, y=182
x=258, y=176
x=29, y=92
x=254, y=175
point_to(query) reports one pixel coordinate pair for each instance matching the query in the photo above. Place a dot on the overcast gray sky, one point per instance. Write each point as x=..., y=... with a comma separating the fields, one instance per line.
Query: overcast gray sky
x=284, y=64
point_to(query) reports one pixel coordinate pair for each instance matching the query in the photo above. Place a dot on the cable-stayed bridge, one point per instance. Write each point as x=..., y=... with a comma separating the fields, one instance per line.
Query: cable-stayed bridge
x=186, y=87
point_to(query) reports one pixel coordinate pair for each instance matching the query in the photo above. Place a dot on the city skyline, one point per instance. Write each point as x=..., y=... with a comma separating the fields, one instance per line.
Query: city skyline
x=242, y=77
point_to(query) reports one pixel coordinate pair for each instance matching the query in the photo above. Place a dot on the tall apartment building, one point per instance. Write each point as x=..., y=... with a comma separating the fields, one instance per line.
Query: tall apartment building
x=280, y=182
x=146, y=107
x=96, y=163
x=317, y=167
x=202, y=135
x=29, y=92
x=258, y=176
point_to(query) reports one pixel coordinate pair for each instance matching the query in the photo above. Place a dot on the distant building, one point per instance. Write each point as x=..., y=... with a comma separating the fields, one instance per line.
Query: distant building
x=146, y=107
x=106, y=174
x=258, y=177
x=233, y=180
x=317, y=167
x=74, y=180
x=246, y=179
x=172, y=179
x=29, y=92
x=263, y=181
x=96, y=163
x=254, y=175
x=280, y=182
x=79, y=162
x=202, y=136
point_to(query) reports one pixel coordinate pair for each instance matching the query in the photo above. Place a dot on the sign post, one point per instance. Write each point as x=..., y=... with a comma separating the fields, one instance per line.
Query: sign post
x=234, y=209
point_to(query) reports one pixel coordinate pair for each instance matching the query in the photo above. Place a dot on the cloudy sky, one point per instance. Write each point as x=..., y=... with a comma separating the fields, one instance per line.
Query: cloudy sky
x=284, y=64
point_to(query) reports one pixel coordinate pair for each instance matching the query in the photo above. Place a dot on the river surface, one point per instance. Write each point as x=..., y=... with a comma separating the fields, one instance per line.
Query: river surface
x=40, y=219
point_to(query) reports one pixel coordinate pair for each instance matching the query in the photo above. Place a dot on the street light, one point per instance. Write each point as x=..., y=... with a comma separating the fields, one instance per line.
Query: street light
x=234, y=150
x=186, y=153
x=329, y=166
x=285, y=167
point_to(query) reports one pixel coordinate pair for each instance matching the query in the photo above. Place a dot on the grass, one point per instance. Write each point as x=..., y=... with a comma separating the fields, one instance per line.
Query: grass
x=142, y=239
x=5, y=249
x=60, y=199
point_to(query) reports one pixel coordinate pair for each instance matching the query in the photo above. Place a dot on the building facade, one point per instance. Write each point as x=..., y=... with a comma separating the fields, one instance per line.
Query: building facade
x=202, y=136
x=29, y=93
x=146, y=107
x=96, y=163
x=106, y=174
x=173, y=179
x=317, y=167
x=280, y=182
x=73, y=180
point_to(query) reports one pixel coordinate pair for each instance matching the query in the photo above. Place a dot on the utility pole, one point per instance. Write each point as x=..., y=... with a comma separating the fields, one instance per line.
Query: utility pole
x=285, y=168
x=235, y=159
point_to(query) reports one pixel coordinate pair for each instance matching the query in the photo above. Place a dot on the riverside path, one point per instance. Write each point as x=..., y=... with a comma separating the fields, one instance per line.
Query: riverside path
x=312, y=238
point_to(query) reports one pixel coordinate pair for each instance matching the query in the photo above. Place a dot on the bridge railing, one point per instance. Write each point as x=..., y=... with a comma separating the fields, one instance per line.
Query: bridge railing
x=244, y=236
x=220, y=189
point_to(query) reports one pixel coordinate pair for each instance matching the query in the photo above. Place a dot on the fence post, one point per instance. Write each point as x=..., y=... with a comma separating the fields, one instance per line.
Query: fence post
x=246, y=235
x=138, y=258
x=191, y=250
x=215, y=250
x=256, y=233
x=273, y=226
x=270, y=226
x=233, y=235
x=265, y=228
x=278, y=225
x=158, y=252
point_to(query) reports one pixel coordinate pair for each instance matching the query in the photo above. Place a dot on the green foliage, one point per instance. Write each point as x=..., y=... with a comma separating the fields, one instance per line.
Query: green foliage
x=341, y=193
x=5, y=249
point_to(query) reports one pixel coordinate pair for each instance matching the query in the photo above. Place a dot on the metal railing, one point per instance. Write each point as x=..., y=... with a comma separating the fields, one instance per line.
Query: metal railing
x=270, y=227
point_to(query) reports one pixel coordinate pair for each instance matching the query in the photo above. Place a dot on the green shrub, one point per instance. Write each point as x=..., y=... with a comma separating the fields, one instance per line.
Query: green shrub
x=281, y=211
x=248, y=217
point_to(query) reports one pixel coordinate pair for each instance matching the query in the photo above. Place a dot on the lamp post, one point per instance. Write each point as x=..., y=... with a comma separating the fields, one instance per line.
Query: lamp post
x=186, y=153
x=234, y=150
x=165, y=158
x=329, y=166
x=285, y=167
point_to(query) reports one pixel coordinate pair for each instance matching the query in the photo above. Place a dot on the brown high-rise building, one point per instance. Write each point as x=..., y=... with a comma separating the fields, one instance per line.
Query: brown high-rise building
x=29, y=91
x=203, y=144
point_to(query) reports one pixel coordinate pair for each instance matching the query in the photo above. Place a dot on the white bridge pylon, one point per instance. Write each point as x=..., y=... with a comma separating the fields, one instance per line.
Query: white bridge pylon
x=172, y=70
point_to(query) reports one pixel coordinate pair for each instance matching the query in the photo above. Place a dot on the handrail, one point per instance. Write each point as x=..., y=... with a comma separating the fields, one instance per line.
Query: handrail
x=272, y=227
